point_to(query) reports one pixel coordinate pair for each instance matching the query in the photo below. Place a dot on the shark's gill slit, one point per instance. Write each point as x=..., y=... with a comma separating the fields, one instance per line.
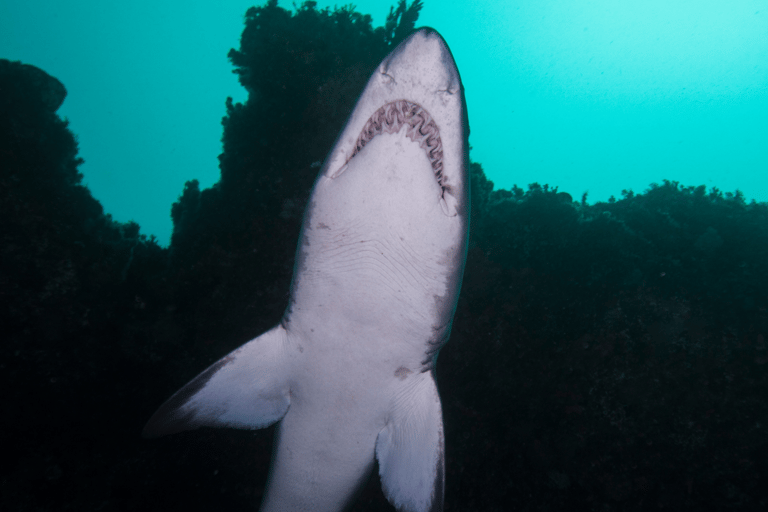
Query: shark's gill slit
x=420, y=128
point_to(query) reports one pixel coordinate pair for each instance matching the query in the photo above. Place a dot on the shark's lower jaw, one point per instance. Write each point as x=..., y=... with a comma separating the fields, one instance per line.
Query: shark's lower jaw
x=420, y=128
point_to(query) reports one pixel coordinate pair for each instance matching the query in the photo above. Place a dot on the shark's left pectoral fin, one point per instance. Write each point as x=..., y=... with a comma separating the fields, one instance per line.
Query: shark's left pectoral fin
x=248, y=388
x=410, y=449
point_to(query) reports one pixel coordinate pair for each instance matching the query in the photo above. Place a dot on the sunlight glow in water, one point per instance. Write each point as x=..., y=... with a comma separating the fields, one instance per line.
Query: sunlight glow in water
x=591, y=96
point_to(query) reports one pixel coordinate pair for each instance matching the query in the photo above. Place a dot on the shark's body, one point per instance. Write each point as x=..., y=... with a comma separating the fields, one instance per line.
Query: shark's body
x=349, y=371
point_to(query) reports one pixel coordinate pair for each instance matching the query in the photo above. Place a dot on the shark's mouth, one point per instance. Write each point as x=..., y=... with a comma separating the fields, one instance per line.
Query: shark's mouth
x=420, y=128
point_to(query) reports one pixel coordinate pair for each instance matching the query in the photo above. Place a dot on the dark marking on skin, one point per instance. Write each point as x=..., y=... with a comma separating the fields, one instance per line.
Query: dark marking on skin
x=435, y=343
x=286, y=320
x=402, y=373
x=301, y=349
x=322, y=225
x=169, y=419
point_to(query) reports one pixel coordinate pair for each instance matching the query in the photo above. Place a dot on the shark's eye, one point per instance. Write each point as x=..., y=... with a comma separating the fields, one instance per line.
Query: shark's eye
x=389, y=79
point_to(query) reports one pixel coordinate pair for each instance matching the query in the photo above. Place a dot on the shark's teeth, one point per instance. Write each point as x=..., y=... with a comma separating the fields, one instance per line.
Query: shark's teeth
x=420, y=128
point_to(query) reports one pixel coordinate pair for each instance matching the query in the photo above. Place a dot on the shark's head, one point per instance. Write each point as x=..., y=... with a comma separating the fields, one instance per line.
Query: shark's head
x=388, y=222
x=417, y=88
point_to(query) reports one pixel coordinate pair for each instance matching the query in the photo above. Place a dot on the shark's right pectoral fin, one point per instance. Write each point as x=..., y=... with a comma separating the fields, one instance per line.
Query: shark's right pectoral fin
x=410, y=449
x=248, y=388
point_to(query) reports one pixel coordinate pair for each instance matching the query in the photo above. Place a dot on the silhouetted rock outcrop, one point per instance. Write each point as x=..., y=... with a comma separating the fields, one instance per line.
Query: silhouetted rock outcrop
x=74, y=285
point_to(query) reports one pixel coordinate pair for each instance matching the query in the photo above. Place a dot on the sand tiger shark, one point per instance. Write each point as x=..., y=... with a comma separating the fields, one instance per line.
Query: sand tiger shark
x=349, y=372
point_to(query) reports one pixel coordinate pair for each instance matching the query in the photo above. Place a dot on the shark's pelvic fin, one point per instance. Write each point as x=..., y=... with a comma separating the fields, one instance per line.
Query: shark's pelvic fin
x=247, y=389
x=410, y=449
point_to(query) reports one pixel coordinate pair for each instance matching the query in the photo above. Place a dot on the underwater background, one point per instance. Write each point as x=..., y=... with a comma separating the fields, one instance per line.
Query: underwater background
x=593, y=96
x=608, y=353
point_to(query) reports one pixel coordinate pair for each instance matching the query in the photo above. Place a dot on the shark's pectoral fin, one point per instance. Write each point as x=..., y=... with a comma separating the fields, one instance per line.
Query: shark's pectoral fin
x=245, y=389
x=410, y=449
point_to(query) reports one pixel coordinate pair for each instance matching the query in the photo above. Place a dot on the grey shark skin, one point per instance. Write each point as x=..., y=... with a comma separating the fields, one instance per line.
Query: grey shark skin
x=349, y=371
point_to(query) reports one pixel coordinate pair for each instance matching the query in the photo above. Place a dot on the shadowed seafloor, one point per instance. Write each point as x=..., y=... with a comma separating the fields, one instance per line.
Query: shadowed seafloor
x=603, y=357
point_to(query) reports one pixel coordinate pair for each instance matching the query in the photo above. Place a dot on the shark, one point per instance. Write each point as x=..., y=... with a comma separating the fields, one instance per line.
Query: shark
x=349, y=372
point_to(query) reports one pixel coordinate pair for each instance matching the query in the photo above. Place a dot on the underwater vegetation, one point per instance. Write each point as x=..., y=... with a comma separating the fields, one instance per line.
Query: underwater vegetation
x=603, y=357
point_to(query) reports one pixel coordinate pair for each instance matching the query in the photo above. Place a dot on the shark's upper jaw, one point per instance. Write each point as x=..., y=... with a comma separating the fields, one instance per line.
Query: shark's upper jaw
x=417, y=87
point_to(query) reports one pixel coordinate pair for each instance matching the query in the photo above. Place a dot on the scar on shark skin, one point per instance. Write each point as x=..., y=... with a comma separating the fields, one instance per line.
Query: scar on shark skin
x=421, y=128
x=402, y=373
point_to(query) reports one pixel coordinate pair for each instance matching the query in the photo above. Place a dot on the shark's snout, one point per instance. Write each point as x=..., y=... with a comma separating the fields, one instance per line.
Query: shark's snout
x=425, y=56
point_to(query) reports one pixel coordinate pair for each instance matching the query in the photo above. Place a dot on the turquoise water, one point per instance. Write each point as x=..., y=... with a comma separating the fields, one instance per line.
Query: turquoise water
x=591, y=97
